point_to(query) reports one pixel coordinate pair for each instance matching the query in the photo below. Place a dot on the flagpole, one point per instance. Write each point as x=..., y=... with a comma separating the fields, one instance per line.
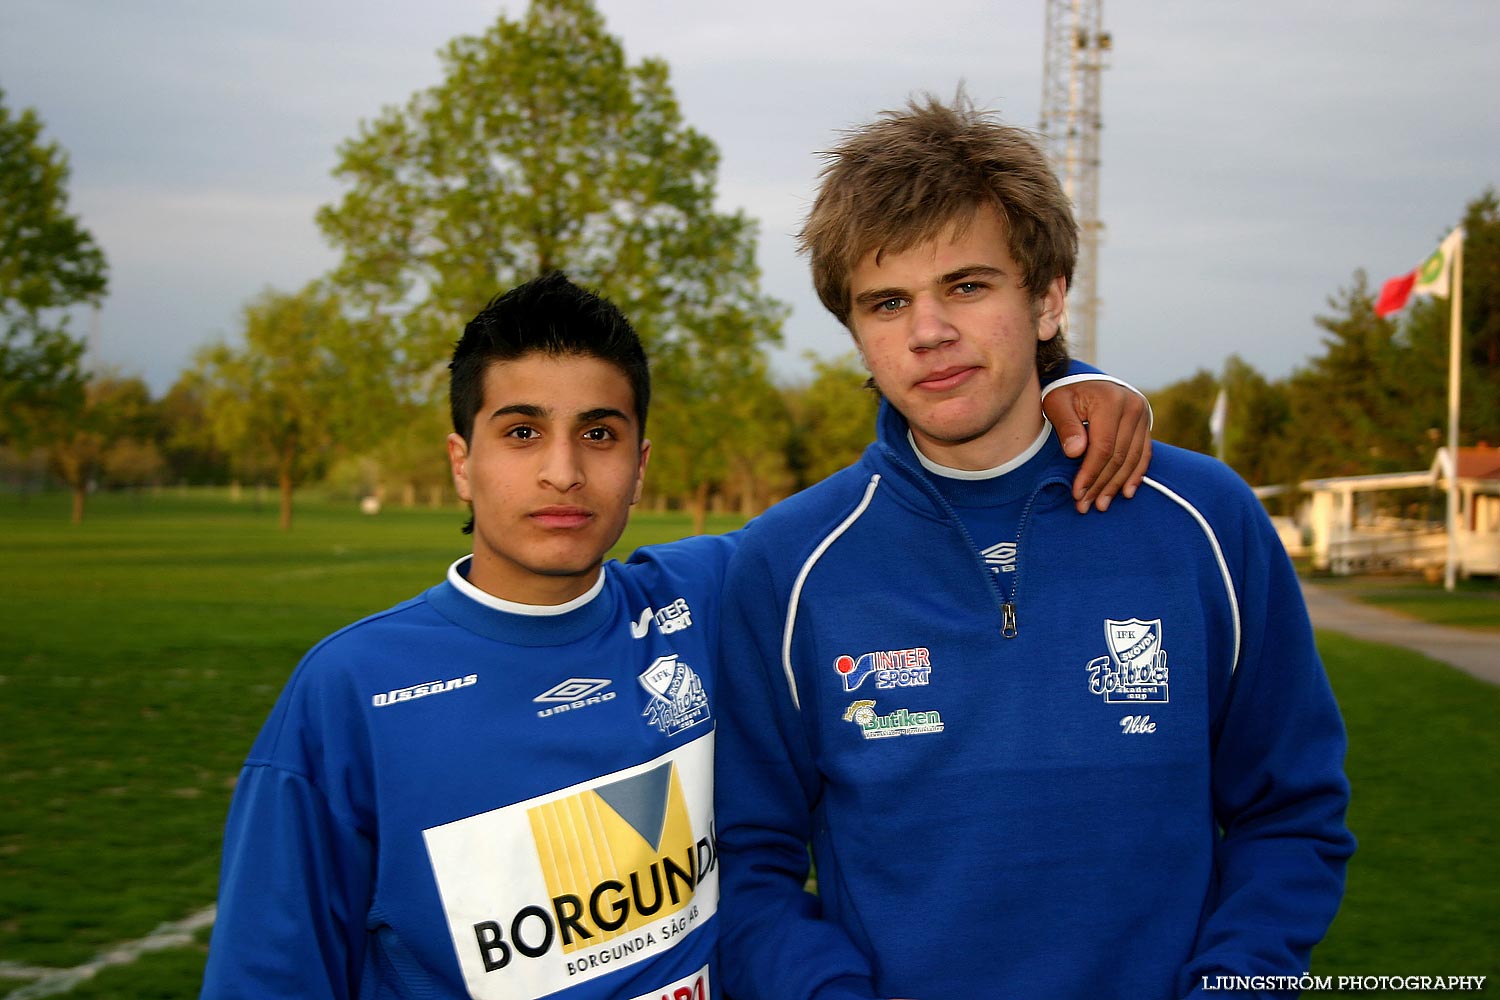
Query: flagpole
x=1455, y=346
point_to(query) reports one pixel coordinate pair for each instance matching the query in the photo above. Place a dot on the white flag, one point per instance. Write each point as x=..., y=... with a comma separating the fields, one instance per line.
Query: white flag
x=1432, y=276
x=1217, y=418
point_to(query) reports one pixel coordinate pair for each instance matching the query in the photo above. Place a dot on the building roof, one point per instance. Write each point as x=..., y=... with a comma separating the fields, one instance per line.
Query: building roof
x=1481, y=462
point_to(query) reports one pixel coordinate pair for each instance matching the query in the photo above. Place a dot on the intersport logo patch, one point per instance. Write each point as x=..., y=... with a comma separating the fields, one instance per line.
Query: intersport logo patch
x=891, y=668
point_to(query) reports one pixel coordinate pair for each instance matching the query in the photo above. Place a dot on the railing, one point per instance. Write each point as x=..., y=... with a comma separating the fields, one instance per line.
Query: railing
x=1373, y=551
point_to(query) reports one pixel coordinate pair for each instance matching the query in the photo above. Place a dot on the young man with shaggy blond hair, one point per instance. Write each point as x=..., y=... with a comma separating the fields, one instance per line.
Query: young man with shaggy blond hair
x=1035, y=754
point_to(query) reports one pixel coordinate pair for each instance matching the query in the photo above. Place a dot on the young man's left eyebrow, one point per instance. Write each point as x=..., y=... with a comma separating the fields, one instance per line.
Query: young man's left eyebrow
x=602, y=413
x=969, y=271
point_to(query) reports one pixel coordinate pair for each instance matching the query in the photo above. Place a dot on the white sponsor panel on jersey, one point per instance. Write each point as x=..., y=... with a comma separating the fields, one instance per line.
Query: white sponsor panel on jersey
x=565, y=887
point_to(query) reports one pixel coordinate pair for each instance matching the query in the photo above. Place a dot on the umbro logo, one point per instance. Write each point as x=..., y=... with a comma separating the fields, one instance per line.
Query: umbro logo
x=572, y=689
x=574, y=693
x=1001, y=557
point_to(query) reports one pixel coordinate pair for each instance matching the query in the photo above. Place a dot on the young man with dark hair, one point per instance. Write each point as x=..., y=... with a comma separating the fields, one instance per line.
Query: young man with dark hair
x=959, y=692
x=502, y=788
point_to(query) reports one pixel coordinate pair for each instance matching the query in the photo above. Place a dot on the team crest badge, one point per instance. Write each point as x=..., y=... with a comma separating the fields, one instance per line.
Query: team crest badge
x=678, y=701
x=1135, y=671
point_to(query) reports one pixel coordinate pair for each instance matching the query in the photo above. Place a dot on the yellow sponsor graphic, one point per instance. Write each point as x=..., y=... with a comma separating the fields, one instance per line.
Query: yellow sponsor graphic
x=622, y=855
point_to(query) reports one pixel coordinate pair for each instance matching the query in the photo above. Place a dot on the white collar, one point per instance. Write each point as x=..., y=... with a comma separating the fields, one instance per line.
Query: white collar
x=999, y=470
x=463, y=586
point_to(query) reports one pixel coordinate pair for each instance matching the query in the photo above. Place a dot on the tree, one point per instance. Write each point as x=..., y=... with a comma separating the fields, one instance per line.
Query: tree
x=1366, y=404
x=544, y=149
x=714, y=418
x=833, y=418
x=1482, y=282
x=759, y=474
x=48, y=262
x=109, y=432
x=412, y=457
x=1255, y=424
x=1376, y=401
x=1182, y=411
x=307, y=384
x=1256, y=427
x=185, y=434
x=133, y=462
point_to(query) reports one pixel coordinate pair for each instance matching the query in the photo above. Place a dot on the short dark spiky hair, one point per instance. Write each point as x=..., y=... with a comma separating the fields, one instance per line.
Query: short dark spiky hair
x=904, y=178
x=550, y=315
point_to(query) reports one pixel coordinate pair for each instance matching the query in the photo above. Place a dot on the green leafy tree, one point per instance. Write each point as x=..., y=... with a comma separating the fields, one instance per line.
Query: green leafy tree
x=1182, y=411
x=714, y=418
x=1363, y=406
x=108, y=433
x=307, y=385
x=411, y=462
x=185, y=435
x=133, y=462
x=1255, y=427
x=759, y=473
x=1482, y=282
x=1255, y=419
x=48, y=262
x=832, y=416
x=543, y=148
x=1377, y=399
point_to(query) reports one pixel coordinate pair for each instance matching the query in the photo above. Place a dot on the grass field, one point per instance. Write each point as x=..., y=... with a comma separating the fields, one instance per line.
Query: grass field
x=1424, y=769
x=1474, y=604
x=142, y=649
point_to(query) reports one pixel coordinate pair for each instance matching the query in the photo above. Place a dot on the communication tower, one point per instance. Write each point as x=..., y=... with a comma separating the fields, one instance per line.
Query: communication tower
x=1076, y=49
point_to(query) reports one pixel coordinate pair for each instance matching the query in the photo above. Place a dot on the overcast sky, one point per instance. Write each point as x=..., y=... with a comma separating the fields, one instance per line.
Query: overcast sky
x=1254, y=155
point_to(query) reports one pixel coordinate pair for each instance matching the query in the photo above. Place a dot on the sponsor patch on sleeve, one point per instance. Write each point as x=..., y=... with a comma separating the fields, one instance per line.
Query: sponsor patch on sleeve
x=692, y=987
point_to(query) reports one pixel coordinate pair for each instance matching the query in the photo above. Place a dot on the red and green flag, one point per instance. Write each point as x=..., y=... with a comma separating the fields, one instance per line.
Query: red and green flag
x=1431, y=278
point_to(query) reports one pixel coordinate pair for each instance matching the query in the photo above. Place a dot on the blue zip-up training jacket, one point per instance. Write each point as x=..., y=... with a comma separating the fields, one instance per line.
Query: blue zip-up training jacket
x=1111, y=771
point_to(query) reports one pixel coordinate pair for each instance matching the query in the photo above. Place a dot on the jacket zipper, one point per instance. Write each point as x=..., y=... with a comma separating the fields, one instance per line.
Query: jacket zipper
x=1008, y=608
x=1008, y=628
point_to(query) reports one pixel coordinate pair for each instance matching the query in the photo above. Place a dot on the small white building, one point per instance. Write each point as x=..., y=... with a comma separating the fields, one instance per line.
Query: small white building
x=1478, y=507
x=1354, y=524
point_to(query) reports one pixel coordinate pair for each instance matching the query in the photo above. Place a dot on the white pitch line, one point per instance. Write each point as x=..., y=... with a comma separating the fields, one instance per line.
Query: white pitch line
x=51, y=982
